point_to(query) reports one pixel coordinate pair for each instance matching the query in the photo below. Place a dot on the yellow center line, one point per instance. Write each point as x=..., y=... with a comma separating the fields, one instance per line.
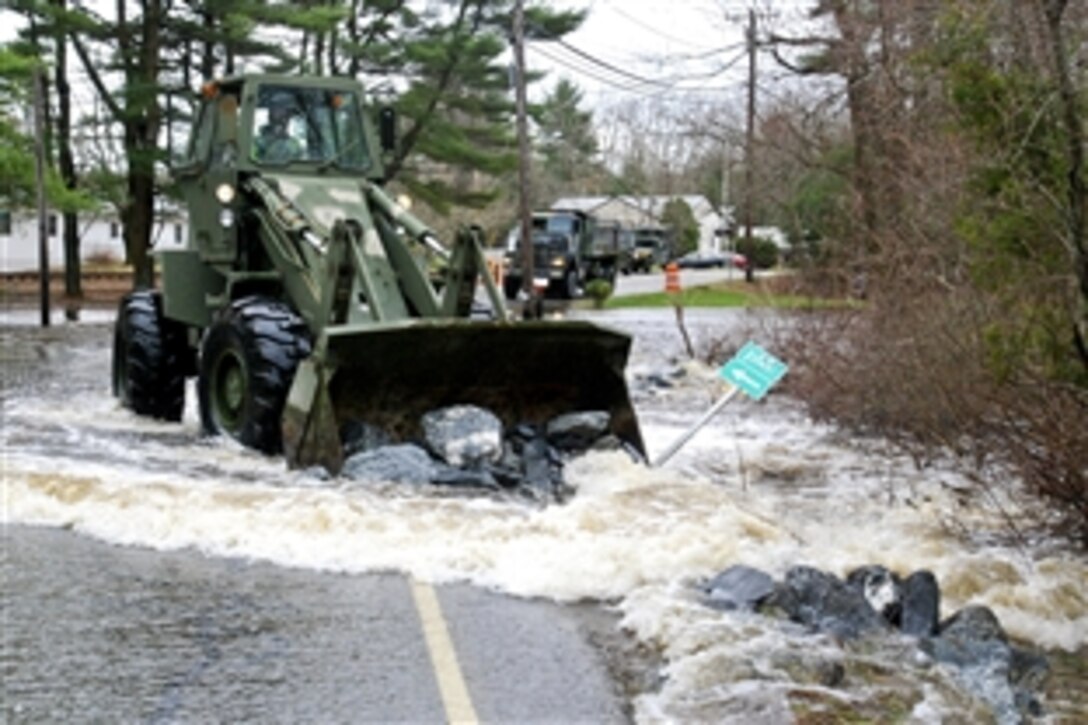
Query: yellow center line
x=451, y=683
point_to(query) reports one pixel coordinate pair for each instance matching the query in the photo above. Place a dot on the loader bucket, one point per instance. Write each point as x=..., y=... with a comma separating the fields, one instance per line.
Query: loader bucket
x=390, y=375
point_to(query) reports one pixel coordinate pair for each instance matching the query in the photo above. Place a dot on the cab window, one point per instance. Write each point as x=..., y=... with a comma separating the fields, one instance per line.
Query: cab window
x=292, y=124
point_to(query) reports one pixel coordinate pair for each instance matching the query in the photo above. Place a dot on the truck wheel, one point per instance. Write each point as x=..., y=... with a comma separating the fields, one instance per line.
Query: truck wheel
x=149, y=358
x=247, y=363
x=570, y=285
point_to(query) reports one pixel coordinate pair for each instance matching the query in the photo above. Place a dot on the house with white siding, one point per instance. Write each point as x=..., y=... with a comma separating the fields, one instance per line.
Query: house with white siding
x=99, y=234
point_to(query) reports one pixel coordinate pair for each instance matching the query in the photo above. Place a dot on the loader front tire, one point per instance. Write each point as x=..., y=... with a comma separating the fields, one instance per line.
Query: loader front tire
x=247, y=362
x=149, y=358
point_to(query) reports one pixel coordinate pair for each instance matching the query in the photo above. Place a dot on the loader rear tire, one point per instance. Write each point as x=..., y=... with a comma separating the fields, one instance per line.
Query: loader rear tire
x=150, y=353
x=247, y=362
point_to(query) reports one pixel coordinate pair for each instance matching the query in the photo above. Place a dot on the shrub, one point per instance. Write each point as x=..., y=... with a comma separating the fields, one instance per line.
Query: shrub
x=920, y=371
x=598, y=290
x=763, y=253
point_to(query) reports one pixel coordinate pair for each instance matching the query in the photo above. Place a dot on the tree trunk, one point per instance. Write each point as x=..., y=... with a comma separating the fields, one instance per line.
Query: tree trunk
x=73, y=288
x=1076, y=188
x=207, y=55
x=138, y=218
x=353, y=36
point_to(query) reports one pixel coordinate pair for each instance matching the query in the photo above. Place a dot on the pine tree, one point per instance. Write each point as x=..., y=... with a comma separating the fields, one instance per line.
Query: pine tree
x=17, y=175
x=566, y=138
x=16, y=153
x=457, y=111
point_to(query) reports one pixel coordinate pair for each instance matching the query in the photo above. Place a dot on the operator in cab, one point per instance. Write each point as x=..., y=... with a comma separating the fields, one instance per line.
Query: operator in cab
x=274, y=142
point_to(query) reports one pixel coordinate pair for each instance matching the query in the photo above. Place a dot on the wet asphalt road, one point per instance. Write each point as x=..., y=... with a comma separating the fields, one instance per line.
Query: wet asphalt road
x=100, y=633
x=93, y=632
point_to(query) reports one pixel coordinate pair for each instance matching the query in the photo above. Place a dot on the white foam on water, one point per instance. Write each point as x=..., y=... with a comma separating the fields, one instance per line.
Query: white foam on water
x=627, y=526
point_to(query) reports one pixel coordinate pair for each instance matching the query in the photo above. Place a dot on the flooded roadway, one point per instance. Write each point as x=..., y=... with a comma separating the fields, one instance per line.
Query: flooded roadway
x=151, y=574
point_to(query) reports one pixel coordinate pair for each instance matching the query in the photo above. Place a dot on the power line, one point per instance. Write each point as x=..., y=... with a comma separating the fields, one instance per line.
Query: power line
x=666, y=82
x=655, y=31
x=605, y=64
x=645, y=87
x=585, y=71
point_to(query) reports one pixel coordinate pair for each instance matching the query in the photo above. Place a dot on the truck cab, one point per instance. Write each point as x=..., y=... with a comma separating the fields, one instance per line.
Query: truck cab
x=568, y=252
x=651, y=249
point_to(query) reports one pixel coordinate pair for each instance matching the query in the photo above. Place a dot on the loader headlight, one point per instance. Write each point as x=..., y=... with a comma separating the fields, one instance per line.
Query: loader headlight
x=559, y=262
x=224, y=193
x=404, y=202
x=226, y=218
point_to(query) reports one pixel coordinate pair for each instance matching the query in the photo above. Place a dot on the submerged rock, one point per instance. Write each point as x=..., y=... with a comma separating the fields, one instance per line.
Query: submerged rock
x=973, y=643
x=739, y=588
x=824, y=602
x=970, y=636
x=357, y=436
x=463, y=435
x=881, y=588
x=464, y=477
x=920, y=616
x=542, y=469
x=404, y=463
x=578, y=431
x=970, y=645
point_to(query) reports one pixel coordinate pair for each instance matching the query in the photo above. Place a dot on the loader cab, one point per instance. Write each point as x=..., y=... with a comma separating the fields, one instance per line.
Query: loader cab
x=269, y=125
x=284, y=124
x=317, y=128
x=210, y=168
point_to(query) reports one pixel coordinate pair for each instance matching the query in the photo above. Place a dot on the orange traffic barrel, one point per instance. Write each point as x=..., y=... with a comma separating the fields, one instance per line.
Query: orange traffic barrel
x=672, y=277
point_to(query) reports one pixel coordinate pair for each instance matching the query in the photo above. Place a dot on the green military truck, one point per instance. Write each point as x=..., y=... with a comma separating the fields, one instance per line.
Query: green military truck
x=653, y=248
x=569, y=250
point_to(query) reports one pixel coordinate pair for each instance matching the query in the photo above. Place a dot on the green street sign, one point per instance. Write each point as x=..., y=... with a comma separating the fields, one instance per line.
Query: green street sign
x=753, y=370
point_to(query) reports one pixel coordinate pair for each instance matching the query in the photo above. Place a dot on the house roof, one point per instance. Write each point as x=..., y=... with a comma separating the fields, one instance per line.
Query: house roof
x=651, y=205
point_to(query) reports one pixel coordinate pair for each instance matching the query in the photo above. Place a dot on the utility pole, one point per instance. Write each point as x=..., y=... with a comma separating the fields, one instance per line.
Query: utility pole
x=525, y=236
x=39, y=168
x=749, y=146
x=729, y=234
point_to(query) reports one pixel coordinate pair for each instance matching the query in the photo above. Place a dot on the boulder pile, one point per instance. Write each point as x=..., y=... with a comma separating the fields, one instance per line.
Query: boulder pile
x=468, y=446
x=873, y=601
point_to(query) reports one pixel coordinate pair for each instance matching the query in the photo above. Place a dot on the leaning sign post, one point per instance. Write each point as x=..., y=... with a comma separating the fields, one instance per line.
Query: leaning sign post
x=753, y=371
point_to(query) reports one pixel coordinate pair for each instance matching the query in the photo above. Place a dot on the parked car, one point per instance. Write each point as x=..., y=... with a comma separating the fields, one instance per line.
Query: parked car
x=707, y=260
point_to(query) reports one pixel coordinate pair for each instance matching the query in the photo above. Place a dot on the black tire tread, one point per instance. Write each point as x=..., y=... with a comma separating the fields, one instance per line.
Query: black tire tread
x=154, y=350
x=272, y=340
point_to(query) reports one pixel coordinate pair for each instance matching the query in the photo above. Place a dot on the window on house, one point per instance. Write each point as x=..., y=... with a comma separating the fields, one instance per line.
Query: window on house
x=52, y=225
x=5, y=223
x=115, y=230
x=177, y=233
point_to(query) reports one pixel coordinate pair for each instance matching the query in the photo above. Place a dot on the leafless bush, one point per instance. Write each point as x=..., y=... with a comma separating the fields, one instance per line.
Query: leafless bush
x=917, y=370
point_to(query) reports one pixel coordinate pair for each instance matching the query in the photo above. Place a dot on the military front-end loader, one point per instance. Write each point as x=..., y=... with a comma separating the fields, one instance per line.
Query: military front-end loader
x=305, y=296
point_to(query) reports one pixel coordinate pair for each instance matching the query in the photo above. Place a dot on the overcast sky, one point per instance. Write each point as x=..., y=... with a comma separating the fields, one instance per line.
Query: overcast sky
x=631, y=49
x=661, y=51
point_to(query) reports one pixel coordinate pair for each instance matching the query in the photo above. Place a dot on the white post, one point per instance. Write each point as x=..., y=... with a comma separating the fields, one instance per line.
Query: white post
x=690, y=432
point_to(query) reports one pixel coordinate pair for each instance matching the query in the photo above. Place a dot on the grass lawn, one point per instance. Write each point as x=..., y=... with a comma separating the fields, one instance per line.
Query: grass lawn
x=726, y=294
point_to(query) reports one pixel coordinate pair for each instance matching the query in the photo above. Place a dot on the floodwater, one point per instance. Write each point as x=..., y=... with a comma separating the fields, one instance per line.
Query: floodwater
x=762, y=486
